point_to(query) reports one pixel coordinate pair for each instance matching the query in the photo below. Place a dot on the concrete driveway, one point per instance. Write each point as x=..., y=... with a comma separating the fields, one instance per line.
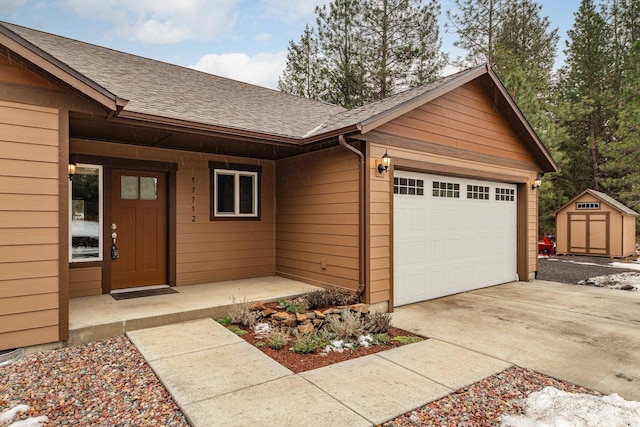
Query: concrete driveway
x=585, y=335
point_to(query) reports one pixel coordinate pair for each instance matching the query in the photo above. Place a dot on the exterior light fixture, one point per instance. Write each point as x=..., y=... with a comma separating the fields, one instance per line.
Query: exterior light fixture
x=72, y=169
x=537, y=182
x=383, y=163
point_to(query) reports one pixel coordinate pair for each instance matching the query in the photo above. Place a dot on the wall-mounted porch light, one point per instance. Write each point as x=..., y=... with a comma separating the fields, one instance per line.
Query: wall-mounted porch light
x=537, y=182
x=383, y=163
x=72, y=169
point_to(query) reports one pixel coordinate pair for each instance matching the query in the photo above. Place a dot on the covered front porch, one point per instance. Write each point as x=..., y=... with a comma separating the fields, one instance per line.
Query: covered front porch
x=101, y=316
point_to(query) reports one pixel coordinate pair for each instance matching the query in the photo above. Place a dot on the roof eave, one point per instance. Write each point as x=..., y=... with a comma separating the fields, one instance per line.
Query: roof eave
x=60, y=70
x=208, y=128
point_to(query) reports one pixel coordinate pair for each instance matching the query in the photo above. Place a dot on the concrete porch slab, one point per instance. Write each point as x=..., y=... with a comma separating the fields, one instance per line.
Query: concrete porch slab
x=287, y=401
x=99, y=317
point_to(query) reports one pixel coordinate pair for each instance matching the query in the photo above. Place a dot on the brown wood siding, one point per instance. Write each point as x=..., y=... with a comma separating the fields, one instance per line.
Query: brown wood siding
x=317, y=218
x=13, y=72
x=462, y=120
x=380, y=235
x=208, y=251
x=29, y=212
x=85, y=281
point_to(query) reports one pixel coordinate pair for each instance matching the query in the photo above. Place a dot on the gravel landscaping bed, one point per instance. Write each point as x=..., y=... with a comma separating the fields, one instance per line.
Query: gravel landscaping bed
x=572, y=269
x=105, y=383
x=484, y=402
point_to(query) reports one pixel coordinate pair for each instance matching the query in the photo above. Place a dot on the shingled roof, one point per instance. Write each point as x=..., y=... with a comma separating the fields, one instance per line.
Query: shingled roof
x=164, y=90
x=142, y=88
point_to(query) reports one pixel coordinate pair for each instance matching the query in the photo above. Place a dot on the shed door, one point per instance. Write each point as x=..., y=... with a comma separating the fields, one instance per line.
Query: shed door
x=451, y=235
x=589, y=233
x=139, y=212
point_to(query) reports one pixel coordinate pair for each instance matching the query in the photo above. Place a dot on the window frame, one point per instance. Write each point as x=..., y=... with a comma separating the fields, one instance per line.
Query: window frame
x=237, y=170
x=100, y=256
x=586, y=206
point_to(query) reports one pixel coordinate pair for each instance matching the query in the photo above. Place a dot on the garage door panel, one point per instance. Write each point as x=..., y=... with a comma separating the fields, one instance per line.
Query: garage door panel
x=466, y=243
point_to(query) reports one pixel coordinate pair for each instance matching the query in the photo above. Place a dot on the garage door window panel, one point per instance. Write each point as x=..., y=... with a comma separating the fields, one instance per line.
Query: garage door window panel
x=477, y=192
x=449, y=190
x=409, y=186
x=505, y=194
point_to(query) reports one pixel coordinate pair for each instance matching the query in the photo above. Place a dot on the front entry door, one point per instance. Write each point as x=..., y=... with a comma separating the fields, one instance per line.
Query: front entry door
x=139, y=215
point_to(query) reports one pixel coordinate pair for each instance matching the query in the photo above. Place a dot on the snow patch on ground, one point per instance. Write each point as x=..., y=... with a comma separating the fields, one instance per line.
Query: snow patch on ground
x=552, y=407
x=628, y=281
x=627, y=265
x=9, y=415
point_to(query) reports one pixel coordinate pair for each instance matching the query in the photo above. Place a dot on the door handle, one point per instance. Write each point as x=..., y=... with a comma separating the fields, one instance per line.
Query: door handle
x=115, y=253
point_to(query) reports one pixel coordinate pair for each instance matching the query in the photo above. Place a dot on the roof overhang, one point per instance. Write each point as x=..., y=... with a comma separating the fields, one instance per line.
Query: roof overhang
x=59, y=70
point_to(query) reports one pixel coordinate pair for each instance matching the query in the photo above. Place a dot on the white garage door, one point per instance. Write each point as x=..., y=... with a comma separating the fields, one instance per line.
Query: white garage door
x=451, y=235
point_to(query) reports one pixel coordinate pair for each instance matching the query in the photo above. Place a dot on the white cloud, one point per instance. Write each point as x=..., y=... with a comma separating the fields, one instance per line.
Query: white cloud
x=161, y=21
x=262, y=69
x=262, y=37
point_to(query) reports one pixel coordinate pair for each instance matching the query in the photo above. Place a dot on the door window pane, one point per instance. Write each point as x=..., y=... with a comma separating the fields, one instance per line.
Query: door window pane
x=226, y=191
x=148, y=188
x=86, y=213
x=129, y=187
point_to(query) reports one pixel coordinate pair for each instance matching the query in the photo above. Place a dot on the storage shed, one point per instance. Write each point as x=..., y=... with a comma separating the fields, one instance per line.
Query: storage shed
x=593, y=223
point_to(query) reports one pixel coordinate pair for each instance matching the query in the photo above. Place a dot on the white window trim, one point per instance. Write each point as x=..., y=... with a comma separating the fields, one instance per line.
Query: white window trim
x=100, y=216
x=236, y=197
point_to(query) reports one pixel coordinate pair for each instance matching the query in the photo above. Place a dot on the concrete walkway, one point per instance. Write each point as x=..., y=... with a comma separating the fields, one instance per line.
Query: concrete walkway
x=217, y=378
x=584, y=335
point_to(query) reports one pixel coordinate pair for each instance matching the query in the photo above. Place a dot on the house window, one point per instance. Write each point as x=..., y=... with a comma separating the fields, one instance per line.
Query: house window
x=236, y=190
x=479, y=192
x=410, y=186
x=85, y=205
x=590, y=205
x=505, y=194
x=446, y=189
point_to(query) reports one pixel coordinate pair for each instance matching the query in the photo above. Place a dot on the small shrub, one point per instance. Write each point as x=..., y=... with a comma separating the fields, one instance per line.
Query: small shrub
x=260, y=344
x=403, y=339
x=237, y=330
x=296, y=308
x=330, y=297
x=349, y=326
x=378, y=323
x=380, y=338
x=277, y=338
x=307, y=343
x=241, y=314
x=225, y=321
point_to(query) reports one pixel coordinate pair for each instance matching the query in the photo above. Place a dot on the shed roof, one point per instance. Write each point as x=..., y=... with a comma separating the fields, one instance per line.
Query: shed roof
x=141, y=88
x=625, y=210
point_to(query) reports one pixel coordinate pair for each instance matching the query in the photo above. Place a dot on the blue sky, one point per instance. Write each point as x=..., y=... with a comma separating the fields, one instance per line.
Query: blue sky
x=245, y=40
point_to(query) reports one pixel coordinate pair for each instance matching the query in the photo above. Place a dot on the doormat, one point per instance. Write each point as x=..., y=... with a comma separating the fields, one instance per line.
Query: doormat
x=144, y=293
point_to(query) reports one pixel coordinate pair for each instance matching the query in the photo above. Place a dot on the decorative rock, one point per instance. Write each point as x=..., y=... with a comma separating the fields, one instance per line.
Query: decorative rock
x=310, y=315
x=306, y=328
x=317, y=322
x=281, y=315
x=318, y=314
x=268, y=312
x=301, y=317
x=257, y=306
x=362, y=308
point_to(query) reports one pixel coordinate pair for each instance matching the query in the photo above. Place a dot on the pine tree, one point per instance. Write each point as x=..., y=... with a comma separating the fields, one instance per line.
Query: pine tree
x=369, y=49
x=402, y=44
x=477, y=24
x=584, y=88
x=341, y=41
x=304, y=73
